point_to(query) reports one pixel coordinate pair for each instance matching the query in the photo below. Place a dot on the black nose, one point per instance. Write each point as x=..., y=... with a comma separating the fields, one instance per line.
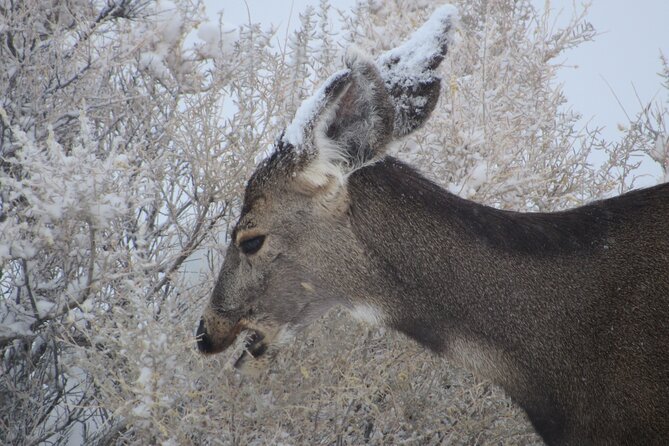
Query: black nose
x=203, y=340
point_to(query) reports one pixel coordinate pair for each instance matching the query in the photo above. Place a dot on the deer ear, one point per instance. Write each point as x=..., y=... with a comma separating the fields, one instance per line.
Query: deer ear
x=408, y=71
x=362, y=123
x=346, y=123
x=352, y=118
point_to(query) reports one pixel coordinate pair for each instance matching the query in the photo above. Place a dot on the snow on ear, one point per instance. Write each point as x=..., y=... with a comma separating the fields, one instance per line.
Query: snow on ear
x=351, y=119
x=345, y=124
x=408, y=70
x=319, y=157
x=313, y=112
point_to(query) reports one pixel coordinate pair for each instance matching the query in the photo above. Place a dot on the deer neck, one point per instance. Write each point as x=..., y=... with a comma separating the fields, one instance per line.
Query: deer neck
x=437, y=276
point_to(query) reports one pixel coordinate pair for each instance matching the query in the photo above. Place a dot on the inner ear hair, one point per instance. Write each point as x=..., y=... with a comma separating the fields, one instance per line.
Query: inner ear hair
x=363, y=122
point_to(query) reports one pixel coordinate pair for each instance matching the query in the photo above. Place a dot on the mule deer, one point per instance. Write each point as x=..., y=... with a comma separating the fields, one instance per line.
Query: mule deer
x=567, y=311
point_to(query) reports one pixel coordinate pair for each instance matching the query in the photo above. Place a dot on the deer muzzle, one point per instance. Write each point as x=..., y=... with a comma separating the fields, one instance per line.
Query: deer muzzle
x=215, y=334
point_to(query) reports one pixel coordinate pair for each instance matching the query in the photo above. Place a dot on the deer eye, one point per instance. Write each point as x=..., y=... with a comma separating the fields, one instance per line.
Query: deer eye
x=251, y=245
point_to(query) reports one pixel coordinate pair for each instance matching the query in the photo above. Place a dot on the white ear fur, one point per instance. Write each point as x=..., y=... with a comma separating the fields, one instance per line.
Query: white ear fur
x=329, y=161
x=325, y=176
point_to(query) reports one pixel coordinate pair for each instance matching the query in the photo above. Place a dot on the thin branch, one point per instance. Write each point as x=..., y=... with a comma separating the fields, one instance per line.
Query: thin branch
x=26, y=283
x=193, y=243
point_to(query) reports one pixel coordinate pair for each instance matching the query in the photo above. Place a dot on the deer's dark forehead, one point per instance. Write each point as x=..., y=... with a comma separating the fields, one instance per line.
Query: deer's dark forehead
x=253, y=199
x=279, y=168
x=270, y=176
x=267, y=179
x=248, y=217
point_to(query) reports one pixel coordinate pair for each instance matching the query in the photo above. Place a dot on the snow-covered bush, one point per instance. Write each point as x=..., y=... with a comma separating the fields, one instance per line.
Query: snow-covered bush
x=127, y=130
x=106, y=191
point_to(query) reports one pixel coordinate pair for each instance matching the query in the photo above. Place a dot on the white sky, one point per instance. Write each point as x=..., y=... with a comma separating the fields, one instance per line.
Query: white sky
x=623, y=58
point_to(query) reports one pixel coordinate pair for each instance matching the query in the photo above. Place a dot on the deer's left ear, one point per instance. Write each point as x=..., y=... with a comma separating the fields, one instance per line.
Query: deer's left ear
x=361, y=125
x=346, y=124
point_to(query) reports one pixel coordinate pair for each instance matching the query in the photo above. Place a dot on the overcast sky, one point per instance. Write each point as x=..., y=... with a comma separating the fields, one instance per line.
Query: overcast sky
x=624, y=58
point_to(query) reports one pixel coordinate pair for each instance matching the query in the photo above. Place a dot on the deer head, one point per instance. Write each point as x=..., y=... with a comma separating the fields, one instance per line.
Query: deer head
x=293, y=254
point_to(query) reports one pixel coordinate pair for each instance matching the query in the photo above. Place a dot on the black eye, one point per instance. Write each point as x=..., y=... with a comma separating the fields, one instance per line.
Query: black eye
x=251, y=245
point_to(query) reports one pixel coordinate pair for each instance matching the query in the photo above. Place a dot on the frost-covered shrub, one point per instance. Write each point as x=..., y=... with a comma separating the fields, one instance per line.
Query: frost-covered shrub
x=104, y=196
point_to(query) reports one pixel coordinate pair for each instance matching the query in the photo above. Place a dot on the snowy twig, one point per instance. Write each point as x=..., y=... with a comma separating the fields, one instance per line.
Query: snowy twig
x=196, y=237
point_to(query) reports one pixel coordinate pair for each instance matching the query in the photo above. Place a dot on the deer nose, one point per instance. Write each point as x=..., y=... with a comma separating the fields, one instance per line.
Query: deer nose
x=203, y=339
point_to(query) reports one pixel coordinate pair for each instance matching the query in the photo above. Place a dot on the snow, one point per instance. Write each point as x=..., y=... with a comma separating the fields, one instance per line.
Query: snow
x=404, y=65
x=16, y=328
x=479, y=174
x=4, y=252
x=121, y=161
x=210, y=36
x=154, y=64
x=143, y=408
x=170, y=21
x=44, y=307
x=409, y=60
x=308, y=112
x=53, y=210
x=145, y=376
x=215, y=42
